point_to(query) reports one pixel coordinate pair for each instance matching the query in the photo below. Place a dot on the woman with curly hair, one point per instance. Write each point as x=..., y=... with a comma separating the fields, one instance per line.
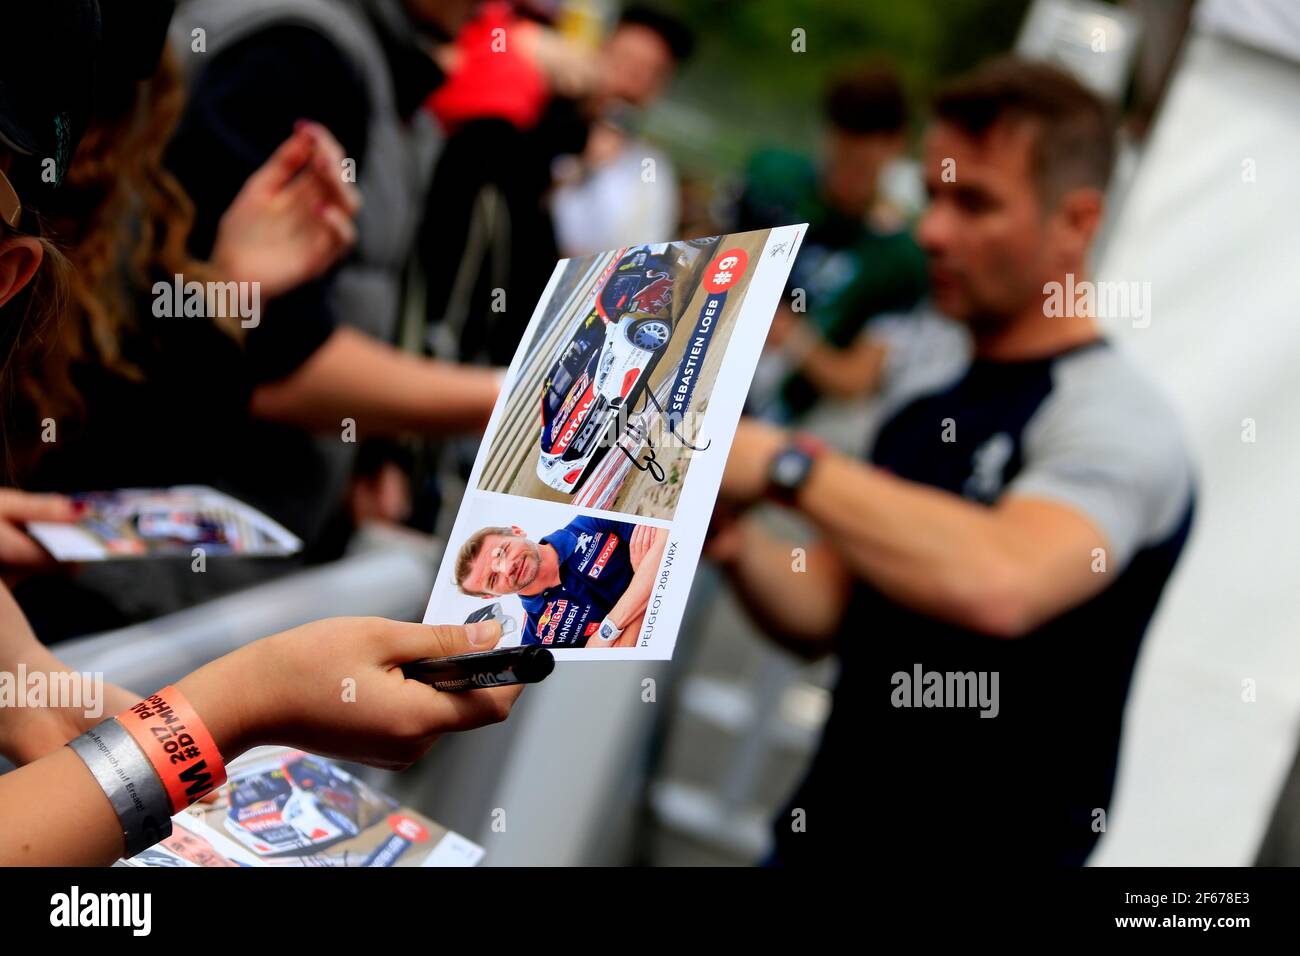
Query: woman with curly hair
x=118, y=394
x=125, y=222
x=111, y=791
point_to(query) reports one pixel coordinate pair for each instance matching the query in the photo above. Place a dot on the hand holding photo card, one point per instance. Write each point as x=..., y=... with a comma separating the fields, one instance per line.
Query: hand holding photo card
x=163, y=522
x=591, y=493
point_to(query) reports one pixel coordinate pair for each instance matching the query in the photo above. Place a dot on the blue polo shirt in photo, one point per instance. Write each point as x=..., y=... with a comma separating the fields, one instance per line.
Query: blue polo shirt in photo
x=595, y=570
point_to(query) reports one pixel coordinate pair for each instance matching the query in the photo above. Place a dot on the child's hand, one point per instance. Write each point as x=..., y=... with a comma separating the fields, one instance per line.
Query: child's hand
x=335, y=688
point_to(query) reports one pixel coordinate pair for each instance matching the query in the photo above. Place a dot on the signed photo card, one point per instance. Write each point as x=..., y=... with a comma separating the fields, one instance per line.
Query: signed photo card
x=591, y=494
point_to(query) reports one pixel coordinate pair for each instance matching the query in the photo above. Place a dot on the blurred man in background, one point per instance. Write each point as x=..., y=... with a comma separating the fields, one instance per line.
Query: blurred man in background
x=1009, y=538
x=859, y=259
x=621, y=190
x=523, y=103
x=509, y=108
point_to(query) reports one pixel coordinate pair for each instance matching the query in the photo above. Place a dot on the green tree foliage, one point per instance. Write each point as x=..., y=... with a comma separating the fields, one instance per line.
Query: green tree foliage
x=747, y=87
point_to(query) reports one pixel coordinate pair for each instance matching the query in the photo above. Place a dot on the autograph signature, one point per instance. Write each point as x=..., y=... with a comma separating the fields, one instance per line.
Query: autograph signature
x=650, y=463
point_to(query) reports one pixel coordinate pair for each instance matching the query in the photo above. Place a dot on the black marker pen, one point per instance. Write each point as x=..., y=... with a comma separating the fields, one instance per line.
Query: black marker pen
x=499, y=668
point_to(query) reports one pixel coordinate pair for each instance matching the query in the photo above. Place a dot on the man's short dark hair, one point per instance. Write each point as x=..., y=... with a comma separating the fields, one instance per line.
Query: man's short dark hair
x=1074, y=134
x=676, y=34
x=869, y=99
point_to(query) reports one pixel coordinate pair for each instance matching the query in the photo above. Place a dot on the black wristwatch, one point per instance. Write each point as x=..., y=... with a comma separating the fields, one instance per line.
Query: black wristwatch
x=789, y=470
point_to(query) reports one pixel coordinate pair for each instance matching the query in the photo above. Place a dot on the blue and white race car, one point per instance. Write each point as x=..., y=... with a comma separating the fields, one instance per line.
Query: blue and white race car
x=301, y=807
x=607, y=362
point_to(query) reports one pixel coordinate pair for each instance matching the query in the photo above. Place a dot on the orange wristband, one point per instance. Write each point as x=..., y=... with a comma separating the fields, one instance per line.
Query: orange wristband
x=177, y=744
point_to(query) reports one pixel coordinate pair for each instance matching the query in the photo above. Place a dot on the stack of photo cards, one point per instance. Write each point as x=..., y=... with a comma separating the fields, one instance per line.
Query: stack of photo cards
x=164, y=522
x=591, y=494
x=285, y=808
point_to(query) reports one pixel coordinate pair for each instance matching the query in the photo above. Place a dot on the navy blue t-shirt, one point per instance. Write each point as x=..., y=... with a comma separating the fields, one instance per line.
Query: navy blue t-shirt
x=595, y=570
x=943, y=786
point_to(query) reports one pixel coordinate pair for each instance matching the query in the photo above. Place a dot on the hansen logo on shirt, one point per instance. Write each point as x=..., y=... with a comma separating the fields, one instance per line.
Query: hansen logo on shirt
x=562, y=622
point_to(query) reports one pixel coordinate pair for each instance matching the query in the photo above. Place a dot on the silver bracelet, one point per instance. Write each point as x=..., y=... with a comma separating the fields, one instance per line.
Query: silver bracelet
x=129, y=781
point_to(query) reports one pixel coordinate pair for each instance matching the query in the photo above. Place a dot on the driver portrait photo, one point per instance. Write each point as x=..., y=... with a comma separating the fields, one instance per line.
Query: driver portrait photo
x=584, y=585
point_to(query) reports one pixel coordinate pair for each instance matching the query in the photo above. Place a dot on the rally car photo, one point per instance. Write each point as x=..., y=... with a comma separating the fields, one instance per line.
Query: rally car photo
x=303, y=806
x=607, y=362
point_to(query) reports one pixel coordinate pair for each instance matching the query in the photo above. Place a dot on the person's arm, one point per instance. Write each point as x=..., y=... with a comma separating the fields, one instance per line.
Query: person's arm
x=625, y=639
x=55, y=814
x=842, y=373
x=837, y=372
x=245, y=103
x=798, y=601
x=631, y=632
x=630, y=607
x=293, y=218
x=242, y=107
x=281, y=690
x=27, y=733
x=1002, y=570
x=643, y=539
x=385, y=391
